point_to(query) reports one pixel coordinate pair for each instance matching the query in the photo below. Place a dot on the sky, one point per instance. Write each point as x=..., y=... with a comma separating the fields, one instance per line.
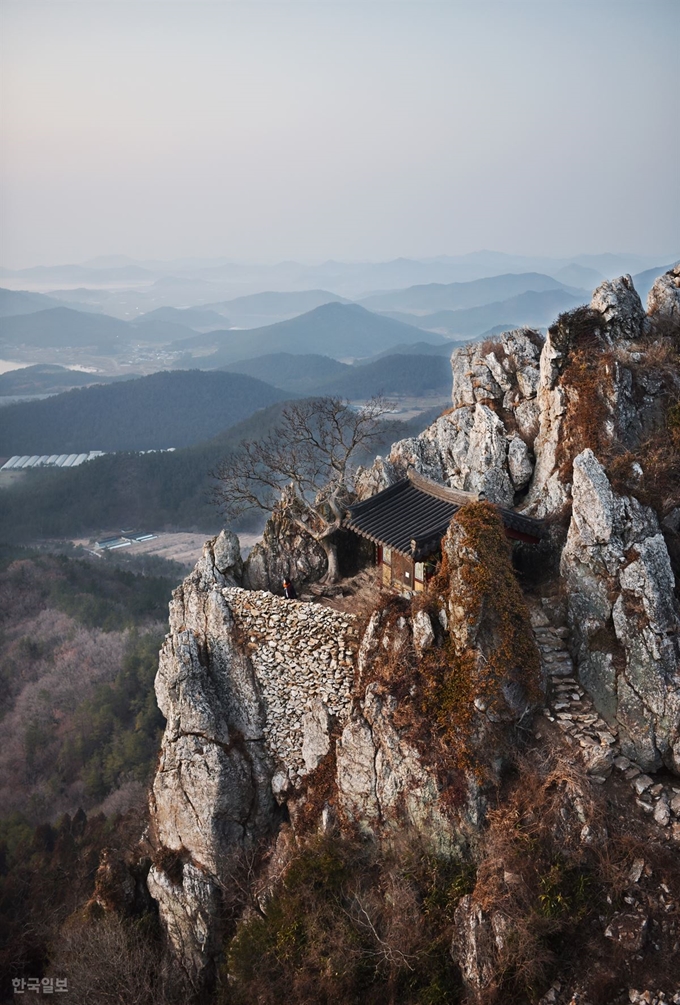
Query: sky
x=330, y=129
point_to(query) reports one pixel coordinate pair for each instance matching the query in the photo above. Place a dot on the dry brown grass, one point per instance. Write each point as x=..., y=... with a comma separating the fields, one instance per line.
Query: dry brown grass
x=555, y=864
x=658, y=456
x=496, y=347
x=349, y=923
x=588, y=379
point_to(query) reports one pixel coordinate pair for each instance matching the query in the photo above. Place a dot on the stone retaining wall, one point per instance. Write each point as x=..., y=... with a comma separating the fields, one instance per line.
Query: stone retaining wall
x=299, y=653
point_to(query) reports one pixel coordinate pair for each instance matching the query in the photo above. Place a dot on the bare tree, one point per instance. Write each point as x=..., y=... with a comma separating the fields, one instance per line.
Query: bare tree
x=305, y=464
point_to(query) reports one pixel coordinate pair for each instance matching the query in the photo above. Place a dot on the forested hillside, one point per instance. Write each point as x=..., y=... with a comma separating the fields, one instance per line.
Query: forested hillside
x=78, y=650
x=60, y=326
x=166, y=409
x=302, y=374
x=402, y=373
x=399, y=374
x=47, y=378
x=79, y=733
x=159, y=491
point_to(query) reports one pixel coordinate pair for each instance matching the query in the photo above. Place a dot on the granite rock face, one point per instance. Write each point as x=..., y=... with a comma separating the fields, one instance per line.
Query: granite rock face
x=188, y=908
x=479, y=940
x=663, y=300
x=245, y=681
x=614, y=318
x=386, y=787
x=211, y=793
x=619, y=305
x=483, y=444
x=284, y=553
x=623, y=615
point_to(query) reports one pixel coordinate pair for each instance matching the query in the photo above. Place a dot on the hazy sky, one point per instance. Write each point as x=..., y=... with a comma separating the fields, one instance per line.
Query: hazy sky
x=263, y=131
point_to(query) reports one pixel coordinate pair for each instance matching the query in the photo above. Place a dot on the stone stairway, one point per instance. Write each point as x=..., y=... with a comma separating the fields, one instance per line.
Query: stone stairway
x=570, y=707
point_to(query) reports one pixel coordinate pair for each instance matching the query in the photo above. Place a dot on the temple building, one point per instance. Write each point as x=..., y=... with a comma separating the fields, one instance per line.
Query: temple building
x=407, y=522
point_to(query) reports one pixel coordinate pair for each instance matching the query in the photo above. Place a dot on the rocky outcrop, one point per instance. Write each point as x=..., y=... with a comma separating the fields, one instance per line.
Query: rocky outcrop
x=663, y=300
x=387, y=788
x=386, y=783
x=624, y=616
x=619, y=306
x=572, y=402
x=510, y=428
x=283, y=553
x=279, y=711
x=189, y=904
x=480, y=939
x=487, y=617
x=483, y=444
x=211, y=791
x=238, y=676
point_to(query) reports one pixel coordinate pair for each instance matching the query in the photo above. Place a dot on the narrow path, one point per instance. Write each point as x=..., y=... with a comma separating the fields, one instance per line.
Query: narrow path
x=596, y=742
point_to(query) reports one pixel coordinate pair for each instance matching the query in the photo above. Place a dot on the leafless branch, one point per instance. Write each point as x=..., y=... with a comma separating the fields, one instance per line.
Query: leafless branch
x=309, y=451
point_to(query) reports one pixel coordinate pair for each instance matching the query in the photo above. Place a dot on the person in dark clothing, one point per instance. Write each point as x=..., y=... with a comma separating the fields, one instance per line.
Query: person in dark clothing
x=289, y=590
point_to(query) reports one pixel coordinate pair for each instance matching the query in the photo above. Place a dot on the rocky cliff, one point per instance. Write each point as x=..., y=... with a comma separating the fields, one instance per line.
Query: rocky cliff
x=290, y=724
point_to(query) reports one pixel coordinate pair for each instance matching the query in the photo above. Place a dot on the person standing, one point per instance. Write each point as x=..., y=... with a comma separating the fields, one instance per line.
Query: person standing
x=289, y=590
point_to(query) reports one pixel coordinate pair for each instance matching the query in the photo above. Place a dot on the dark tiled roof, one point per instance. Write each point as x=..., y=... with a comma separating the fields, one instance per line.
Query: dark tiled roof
x=413, y=515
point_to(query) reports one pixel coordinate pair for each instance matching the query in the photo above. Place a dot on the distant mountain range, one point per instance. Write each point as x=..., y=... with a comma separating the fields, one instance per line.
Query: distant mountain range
x=579, y=276
x=461, y=296
x=195, y=282
x=80, y=273
x=414, y=374
x=114, y=320
x=531, y=309
x=334, y=329
x=166, y=409
x=61, y=326
x=260, y=309
x=13, y=302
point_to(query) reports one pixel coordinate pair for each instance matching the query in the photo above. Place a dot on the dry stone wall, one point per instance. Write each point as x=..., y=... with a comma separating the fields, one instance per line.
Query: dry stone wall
x=301, y=654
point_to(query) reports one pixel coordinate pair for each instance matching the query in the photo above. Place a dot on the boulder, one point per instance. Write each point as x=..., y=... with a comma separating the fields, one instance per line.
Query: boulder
x=423, y=632
x=621, y=309
x=629, y=930
x=479, y=939
x=663, y=300
x=227, y=557
x=285, y=552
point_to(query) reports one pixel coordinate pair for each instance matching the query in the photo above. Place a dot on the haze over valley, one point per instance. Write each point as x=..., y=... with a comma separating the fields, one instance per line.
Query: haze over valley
x=148, y=356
